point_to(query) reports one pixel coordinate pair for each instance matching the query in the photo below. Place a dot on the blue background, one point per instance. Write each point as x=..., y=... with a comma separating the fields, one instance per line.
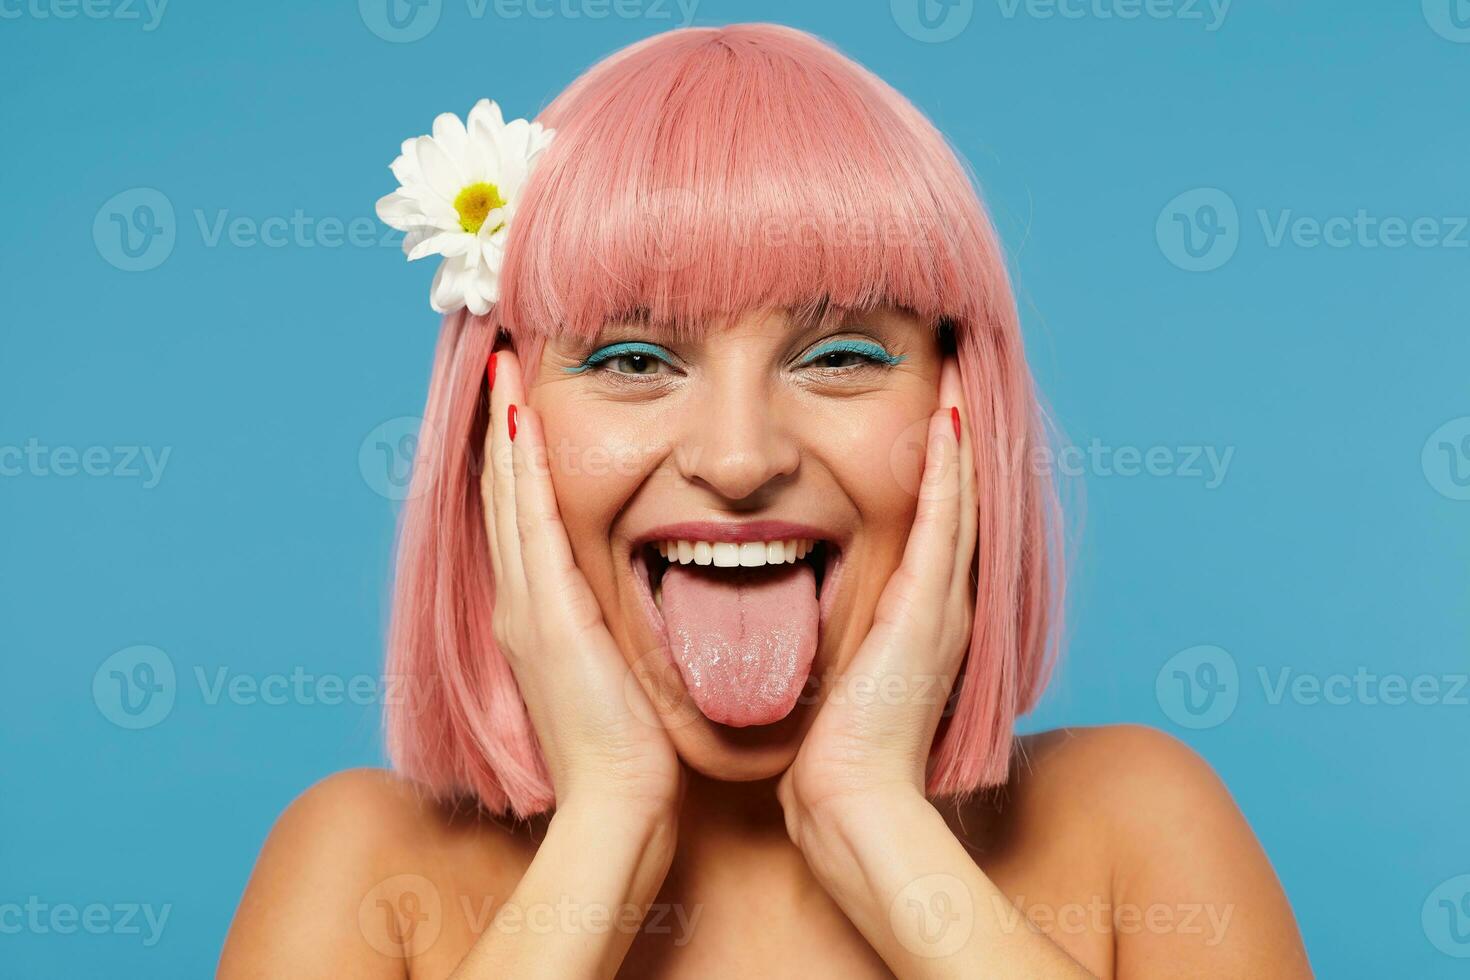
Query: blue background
x=1337, y=539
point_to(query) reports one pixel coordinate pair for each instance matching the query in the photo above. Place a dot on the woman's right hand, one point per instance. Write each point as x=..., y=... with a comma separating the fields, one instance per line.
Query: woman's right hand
x=598, y=732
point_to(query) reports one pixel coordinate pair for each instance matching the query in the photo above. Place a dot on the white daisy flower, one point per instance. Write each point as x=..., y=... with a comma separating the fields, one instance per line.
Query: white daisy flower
x=458, y=192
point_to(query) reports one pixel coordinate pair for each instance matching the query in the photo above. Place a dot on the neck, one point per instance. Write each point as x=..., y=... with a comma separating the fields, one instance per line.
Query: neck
x=720, y=820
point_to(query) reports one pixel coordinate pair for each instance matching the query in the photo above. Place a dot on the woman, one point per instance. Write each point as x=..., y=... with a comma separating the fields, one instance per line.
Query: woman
x=725, y=577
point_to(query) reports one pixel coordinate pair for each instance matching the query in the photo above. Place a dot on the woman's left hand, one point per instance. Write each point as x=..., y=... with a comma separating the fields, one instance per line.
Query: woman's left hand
x=874, y=730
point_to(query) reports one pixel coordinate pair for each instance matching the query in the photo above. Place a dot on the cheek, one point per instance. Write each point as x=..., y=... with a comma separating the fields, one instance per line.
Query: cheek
x=876, y=453
x=597, y=462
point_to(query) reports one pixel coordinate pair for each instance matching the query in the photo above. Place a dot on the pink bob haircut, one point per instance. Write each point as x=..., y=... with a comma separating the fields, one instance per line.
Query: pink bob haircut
x=699, y=173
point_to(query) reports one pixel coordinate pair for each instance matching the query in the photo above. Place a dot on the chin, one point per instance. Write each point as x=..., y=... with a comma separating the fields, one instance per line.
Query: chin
x=740, y=755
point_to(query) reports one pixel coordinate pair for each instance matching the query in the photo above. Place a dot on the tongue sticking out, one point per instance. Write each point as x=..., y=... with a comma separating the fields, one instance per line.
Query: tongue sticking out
x=743, y=638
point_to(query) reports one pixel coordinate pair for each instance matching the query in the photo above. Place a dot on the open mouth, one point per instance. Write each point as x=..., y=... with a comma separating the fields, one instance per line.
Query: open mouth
x=741, y=618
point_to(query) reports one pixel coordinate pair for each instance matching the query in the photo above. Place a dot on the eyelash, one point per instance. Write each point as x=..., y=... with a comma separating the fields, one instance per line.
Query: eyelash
x=872, y=354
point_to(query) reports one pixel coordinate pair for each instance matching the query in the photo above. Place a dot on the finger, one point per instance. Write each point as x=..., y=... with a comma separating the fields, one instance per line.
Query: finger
x=951, y=392
x=487, y=477
x=935, y=533
x=915, y=597
x=506, y=394
x=546, y=551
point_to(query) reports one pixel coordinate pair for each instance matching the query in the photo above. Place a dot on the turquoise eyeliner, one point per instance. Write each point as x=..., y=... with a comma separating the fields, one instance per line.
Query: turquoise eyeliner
x=865, y=348
x=621, y=349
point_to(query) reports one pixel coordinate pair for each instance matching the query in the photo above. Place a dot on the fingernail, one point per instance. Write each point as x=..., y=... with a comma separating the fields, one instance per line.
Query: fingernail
x=490, y=371
x=510, y=422
x=954, y=416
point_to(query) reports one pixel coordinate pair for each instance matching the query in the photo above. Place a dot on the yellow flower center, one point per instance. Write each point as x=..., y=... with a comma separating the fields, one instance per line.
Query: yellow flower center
x=474, y=203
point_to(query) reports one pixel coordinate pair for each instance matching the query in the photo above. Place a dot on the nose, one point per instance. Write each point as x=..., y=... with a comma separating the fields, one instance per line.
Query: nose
x=736, y=442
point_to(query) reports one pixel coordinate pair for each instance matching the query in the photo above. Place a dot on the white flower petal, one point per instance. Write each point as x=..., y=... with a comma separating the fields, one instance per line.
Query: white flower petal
x=444, y=294
x=450, y=134
x=398, y=210
x=487, y=114
x=445, y=243
x=492, y=250
x=440, y=213
x=406, y=166
x=477, y=302
x=540, y=138
x=440, y=172
x=412, y=238
x=515, y=139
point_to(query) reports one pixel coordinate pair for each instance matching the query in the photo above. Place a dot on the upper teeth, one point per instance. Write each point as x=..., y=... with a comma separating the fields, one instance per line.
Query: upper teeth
x=729, y=554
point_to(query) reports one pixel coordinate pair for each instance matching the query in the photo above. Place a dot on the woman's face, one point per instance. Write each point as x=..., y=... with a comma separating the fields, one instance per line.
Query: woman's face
x=764, y=430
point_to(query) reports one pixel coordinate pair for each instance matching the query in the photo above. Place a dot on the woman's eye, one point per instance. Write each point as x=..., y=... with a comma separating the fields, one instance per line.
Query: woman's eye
x=628, y=358
x=838, y=359
x=848, y=354
x=633, y=364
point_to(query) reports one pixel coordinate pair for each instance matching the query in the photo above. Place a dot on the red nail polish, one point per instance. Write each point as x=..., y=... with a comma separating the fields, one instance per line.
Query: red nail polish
x=510, y=422
x=490, y=371
x=954, y=416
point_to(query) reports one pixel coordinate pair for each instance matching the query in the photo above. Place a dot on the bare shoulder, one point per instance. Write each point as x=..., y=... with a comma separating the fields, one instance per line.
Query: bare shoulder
x=1125, y=773
x=373, y=821
x=1141, y=794
x=1171, y=841
x=357, y=839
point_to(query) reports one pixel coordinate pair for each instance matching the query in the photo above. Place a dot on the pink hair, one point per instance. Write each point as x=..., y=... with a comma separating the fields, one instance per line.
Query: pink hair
x=699, y=173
